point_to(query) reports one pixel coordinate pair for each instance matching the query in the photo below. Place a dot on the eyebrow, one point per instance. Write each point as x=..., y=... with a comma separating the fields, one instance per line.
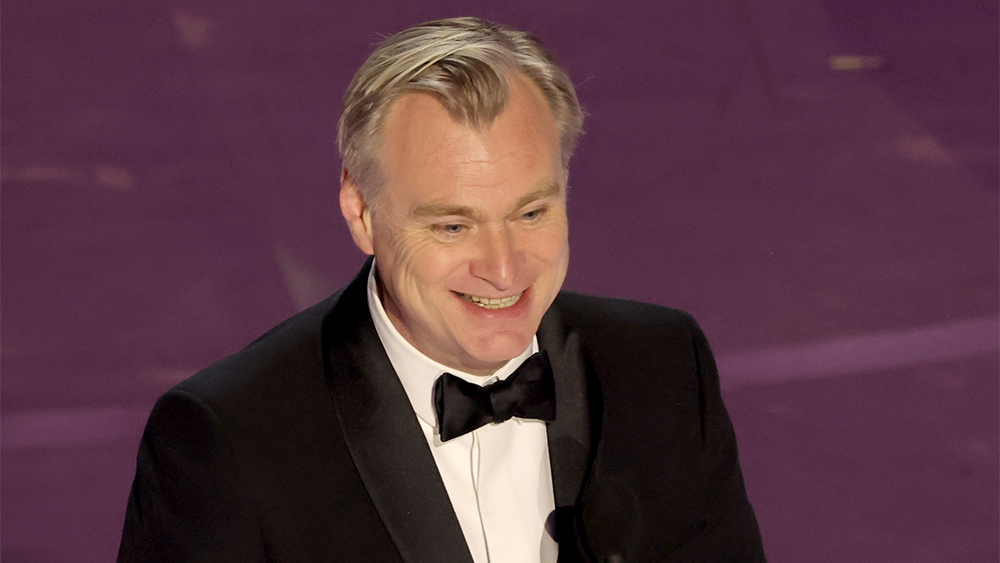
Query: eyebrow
x=448, y=210
x=549, y=190
x=444, y=210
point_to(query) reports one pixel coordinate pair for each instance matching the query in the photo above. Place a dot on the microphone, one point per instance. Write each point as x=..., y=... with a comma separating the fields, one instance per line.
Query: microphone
x=611, y=521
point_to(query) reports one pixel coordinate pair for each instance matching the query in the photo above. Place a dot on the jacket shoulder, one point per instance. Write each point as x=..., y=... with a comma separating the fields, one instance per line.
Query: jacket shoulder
x=289, y=351
x=605, y=316
x=649, y=350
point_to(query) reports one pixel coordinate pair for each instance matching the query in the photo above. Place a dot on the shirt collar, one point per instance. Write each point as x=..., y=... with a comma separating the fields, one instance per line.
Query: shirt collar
x=415, y=370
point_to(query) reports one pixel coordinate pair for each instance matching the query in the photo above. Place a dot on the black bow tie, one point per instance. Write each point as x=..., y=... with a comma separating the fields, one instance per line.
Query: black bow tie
x=529, y=392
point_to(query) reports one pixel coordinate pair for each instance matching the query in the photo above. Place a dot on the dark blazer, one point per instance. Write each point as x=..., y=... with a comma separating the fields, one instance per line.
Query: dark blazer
x=303, y=447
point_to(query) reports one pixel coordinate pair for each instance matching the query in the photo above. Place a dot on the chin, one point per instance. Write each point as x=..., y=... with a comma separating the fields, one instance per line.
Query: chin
x=500, y=348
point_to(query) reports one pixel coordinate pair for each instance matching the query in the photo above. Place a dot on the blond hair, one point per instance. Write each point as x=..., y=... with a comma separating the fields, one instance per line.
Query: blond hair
x=464, y=62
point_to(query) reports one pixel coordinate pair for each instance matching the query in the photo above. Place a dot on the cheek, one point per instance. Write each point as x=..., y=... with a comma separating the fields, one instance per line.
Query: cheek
x=419, y=267
x=395, y=246
x=549, y=247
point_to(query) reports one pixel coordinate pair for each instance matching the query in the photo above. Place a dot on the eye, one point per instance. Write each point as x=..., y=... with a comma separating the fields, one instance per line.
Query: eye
x=451, y=229
x=533, y=214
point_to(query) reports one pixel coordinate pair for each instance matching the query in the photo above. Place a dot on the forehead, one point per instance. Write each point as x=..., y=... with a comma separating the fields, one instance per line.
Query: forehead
x=425, y=149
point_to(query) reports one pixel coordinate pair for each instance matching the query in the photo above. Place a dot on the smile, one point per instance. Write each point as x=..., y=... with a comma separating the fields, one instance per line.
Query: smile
x=487, y=303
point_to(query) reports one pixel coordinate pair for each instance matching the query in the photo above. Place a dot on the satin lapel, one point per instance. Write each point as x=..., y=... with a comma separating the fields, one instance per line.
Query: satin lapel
x=570, y=435
x=384, y=437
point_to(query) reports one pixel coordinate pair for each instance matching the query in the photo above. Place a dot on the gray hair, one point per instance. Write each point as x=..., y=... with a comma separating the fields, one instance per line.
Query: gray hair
x=464, y=62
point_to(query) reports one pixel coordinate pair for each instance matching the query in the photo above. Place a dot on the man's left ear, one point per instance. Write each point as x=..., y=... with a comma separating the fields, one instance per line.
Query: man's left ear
x=356, y=213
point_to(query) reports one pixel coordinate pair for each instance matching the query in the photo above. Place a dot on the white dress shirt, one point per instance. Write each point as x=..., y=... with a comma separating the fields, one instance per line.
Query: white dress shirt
x=497, y=477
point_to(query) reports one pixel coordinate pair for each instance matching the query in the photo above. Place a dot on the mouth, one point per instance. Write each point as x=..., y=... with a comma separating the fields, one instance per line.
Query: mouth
x=490, y=303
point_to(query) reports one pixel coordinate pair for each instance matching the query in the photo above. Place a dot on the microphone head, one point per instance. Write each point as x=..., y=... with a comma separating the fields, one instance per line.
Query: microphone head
x=611, y=520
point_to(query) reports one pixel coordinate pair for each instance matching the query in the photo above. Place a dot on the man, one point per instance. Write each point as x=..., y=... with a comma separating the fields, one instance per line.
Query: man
x=450, y=404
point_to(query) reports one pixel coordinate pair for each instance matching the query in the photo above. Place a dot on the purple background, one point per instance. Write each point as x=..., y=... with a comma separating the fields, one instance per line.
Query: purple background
x=169, y=193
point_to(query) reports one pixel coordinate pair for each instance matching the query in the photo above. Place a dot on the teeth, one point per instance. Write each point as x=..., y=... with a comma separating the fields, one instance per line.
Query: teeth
x=487, y=303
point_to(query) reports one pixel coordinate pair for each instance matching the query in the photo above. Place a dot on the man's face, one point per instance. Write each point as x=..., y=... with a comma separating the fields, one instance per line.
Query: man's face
x=470, y=231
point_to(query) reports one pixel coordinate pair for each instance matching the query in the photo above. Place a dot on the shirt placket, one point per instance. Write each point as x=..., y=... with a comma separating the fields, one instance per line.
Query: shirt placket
x=476, y=456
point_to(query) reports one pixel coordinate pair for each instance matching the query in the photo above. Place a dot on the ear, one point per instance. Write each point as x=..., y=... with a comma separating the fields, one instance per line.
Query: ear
x=356, y=213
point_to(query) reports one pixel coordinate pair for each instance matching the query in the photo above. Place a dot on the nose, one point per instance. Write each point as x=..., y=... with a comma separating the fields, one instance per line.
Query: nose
x=497, y=260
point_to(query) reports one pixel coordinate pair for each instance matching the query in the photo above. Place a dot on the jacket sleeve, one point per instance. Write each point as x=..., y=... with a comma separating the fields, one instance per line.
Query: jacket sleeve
x=187, y=502
x=731, y=533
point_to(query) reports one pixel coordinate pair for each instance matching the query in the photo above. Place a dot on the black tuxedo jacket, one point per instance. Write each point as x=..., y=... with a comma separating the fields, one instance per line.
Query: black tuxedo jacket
x=303, y=447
